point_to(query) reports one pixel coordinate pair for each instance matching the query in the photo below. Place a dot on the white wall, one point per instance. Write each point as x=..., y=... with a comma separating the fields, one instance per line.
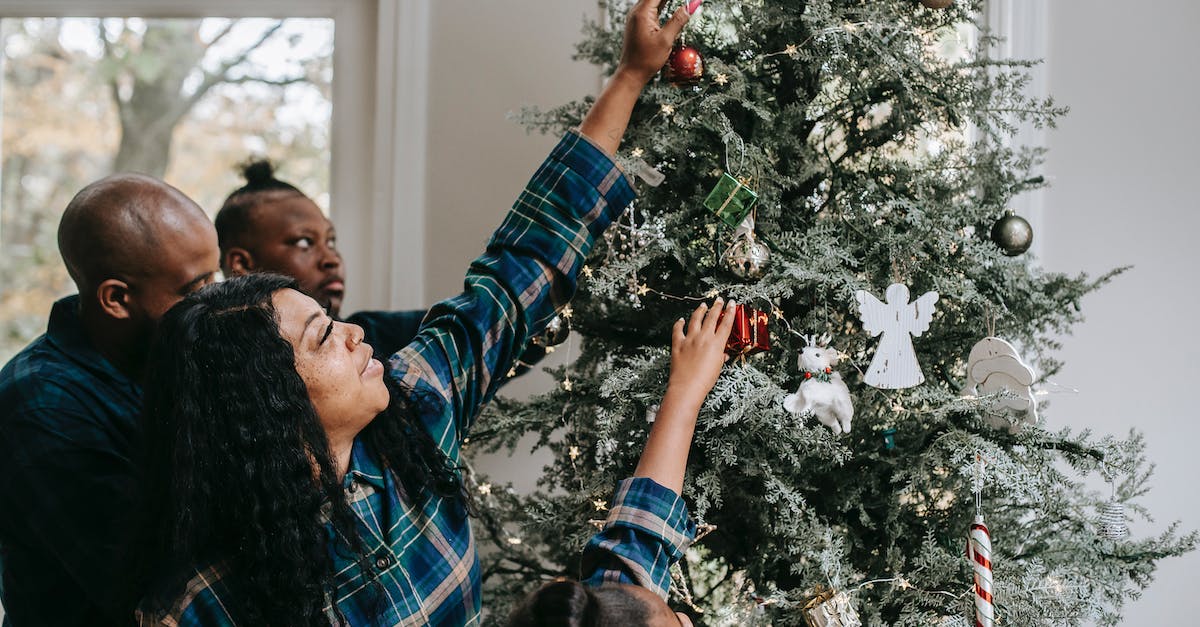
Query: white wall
x=1124, y=169
x=489, y=59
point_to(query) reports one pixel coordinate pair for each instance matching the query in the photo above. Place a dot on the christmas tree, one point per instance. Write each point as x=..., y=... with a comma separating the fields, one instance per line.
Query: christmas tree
x=842, y=170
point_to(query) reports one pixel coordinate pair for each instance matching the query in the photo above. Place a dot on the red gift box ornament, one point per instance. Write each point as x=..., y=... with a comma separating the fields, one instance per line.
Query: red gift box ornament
x=750, y=334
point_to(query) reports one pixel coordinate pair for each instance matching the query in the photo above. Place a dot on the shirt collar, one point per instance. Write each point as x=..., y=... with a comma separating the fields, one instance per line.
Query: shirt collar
x=65, y=332
x=364, y=467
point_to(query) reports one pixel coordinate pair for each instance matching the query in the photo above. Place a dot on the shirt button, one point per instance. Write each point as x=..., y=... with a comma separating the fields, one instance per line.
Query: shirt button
x=353, y=487
x=383, y=560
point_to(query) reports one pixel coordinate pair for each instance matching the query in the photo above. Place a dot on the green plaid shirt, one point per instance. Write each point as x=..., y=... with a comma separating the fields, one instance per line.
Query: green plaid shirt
x=424, y=551
x=647, y=531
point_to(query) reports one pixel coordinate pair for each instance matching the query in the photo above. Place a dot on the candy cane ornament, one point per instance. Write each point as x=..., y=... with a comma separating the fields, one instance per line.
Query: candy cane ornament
x=979, y=551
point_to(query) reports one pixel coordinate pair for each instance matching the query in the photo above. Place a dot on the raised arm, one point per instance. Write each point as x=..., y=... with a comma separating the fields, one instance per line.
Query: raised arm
x=648, y=527
x=646, y=48
x=697, y=354
x=469, y=342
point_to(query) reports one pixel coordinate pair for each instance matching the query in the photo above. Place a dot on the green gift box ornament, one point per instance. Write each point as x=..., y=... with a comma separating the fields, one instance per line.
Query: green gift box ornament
x=731, y=200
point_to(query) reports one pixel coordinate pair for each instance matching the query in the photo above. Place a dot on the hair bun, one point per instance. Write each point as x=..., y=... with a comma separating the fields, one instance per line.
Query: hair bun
x=258, y=172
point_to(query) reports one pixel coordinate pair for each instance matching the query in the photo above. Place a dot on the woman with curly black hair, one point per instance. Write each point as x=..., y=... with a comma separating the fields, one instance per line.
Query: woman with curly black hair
x=293, y=479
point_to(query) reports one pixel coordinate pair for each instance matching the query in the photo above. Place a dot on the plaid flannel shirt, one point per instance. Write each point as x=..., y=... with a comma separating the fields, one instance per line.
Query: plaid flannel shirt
x=647, y=531
x=424, y=552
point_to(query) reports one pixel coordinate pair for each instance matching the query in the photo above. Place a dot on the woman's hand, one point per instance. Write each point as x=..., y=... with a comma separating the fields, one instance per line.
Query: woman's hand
x=698, y=351
x=647, y=46
x=648, y=43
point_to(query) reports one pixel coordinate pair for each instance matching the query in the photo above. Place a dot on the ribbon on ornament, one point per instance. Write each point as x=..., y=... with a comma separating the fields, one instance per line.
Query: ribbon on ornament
x=831, y=609
x=731, y=199
x=750, y=334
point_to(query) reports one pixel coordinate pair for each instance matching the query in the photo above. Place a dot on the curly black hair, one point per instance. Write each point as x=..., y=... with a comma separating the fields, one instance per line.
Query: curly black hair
x=237, y=469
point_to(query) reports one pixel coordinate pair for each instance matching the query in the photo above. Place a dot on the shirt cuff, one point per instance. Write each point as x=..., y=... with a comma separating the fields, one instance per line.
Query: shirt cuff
x=642, y=504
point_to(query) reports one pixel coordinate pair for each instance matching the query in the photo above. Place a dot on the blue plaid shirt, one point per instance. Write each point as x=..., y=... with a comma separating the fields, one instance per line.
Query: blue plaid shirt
x=647, y=530
x=424, y=550
x=68, y=431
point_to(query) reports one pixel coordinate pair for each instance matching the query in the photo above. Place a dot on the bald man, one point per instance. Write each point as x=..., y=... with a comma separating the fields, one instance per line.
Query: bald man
x=70, y=401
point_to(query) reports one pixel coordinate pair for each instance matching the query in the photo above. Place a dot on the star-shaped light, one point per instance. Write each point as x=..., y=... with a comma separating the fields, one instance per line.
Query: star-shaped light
x=903, y=584
x=573, y=453
x=485, y=488
x=792, y=50
x=549, y=349
x=643, y=289
x=512, y=372
x=567, y=385
x=567, y=312
x=778, y=313
x=637, y=152
x=668, y=109
x=721, y=79
x=713, y=293
x=600, y=505
x=587, y=271
x=514, y=541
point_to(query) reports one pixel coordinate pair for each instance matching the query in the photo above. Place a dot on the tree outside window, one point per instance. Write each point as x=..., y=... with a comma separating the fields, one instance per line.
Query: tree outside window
x=183, y=100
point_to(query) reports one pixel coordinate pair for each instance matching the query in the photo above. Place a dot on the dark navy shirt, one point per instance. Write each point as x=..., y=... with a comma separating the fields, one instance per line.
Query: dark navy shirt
x=68, y=432
x=388, y=331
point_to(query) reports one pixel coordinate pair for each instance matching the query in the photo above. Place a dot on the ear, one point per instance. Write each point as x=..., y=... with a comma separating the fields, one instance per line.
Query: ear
x=238, y=261
x=115, y=299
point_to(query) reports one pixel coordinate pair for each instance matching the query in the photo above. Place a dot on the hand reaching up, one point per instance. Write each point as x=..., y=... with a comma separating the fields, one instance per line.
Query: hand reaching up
x=647, y=45
x=697, y=353
x=698, y=350
x=647, y=42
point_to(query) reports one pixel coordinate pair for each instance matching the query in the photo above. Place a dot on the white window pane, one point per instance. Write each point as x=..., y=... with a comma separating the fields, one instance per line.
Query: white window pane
x=184, y=100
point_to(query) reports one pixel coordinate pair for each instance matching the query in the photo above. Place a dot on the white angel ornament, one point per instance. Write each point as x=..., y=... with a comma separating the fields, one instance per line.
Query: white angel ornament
x=895, y=364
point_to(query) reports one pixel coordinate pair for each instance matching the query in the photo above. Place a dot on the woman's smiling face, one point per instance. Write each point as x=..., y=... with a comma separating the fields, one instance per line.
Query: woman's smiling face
x=344, y=381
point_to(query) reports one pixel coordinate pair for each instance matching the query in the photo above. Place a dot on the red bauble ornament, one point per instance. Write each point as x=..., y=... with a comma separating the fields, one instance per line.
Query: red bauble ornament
x=684, y=67
x=937, y=4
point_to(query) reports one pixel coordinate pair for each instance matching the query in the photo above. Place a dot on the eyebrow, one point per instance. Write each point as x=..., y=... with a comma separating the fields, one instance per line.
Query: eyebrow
x=309, y=321
x=200, y=278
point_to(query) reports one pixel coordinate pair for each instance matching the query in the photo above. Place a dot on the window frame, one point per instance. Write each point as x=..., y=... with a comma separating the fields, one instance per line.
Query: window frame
x=377, y=131
x=1023, y=28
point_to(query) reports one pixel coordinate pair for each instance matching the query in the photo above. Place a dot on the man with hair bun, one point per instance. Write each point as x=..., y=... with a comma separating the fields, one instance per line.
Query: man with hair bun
x=269, y=225
x=70, y=401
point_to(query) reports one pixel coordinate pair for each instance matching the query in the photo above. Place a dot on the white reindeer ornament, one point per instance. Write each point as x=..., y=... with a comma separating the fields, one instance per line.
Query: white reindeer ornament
x=822, y=392
x=895, y=364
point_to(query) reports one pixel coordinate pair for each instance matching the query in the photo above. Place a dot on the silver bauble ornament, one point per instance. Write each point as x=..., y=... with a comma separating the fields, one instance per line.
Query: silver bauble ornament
x=747, y=258
x=1012, y=234
x=1112, y=521
x=555, y=333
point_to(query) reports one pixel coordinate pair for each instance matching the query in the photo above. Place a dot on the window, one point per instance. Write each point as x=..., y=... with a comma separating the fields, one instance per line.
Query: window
x=179, y=99
x=346, y=121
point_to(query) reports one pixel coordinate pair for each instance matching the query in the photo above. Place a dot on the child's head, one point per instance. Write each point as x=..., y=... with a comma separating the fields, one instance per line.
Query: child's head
x=566, y=603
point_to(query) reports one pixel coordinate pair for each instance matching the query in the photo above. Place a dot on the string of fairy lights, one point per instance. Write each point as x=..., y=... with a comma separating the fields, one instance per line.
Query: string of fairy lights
x=628, y=231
